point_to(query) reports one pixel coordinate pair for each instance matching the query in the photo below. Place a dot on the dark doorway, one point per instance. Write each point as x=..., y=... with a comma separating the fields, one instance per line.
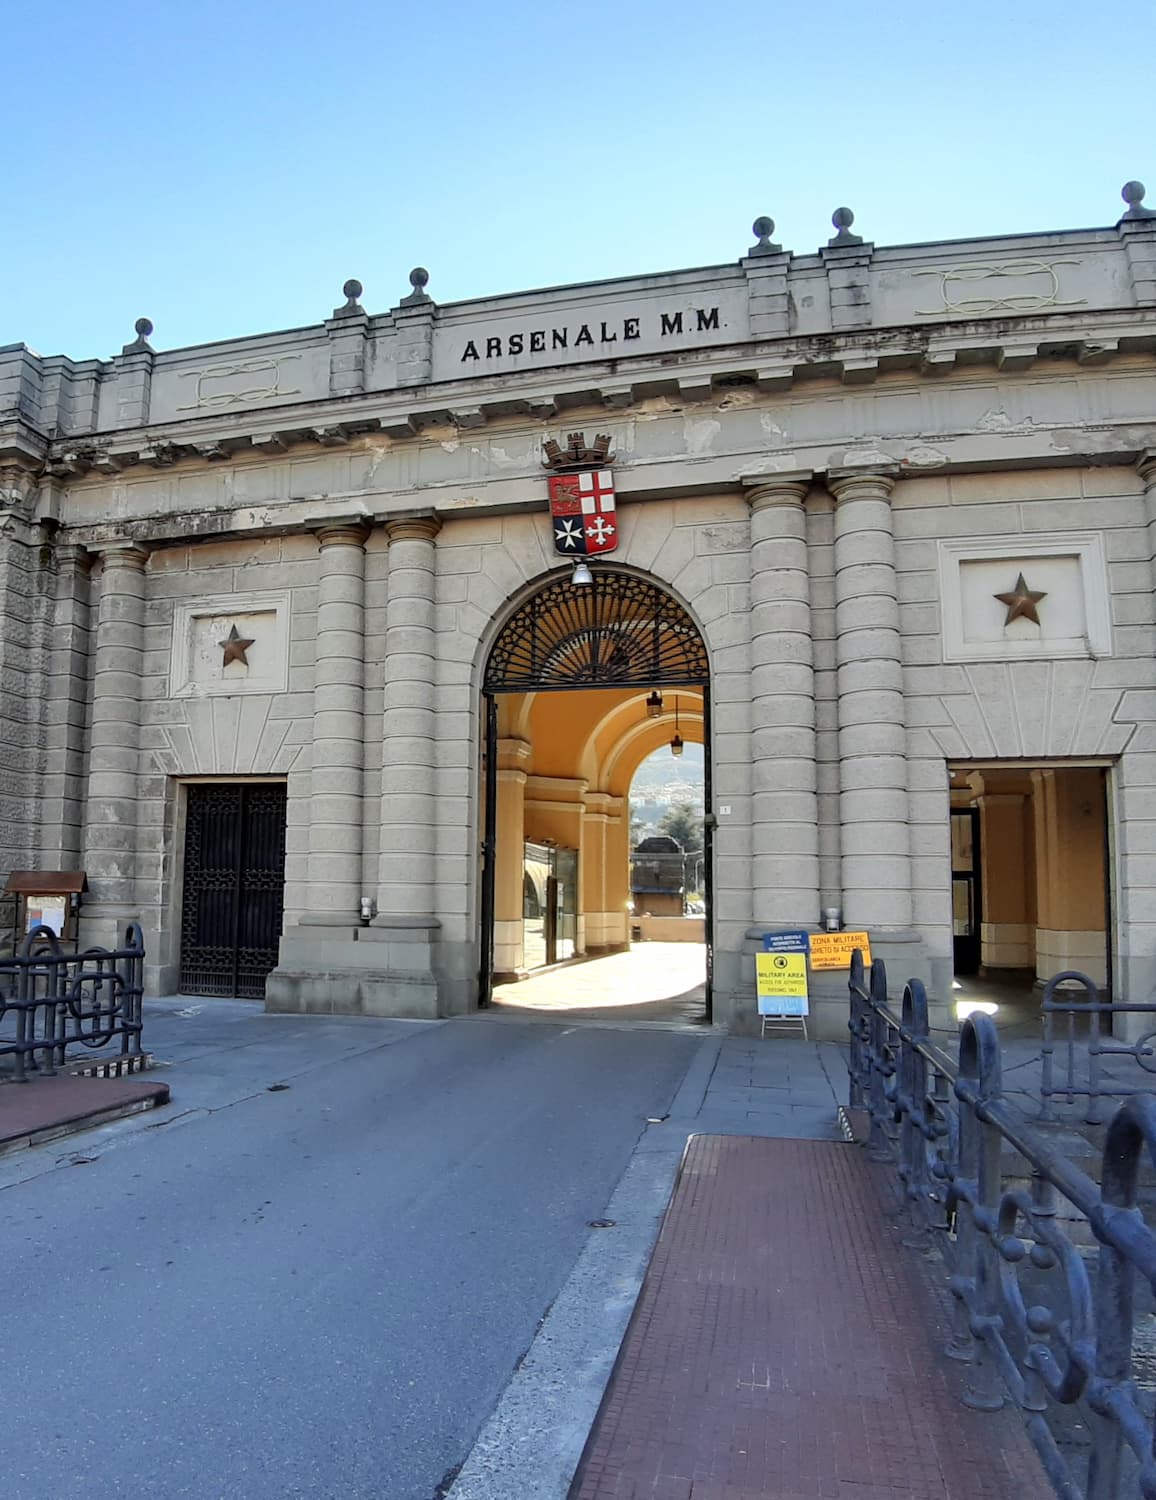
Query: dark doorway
x=966, y=893
x=234, y=887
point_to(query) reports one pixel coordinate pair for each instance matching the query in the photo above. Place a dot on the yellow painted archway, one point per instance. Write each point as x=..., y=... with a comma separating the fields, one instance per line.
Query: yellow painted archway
x=565, y=689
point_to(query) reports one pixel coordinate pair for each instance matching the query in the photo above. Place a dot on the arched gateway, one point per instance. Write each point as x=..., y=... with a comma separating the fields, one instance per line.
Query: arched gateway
x=582, y=682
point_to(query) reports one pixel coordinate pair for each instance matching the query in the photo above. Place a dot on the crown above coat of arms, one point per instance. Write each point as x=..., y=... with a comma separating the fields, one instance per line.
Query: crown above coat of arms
x=576, y=455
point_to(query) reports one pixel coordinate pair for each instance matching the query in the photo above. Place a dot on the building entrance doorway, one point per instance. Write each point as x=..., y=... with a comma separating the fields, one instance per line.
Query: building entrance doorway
x=578, y=690
x=549, y=904
x=1031, y=887
x=966, y=890
x=234, y=886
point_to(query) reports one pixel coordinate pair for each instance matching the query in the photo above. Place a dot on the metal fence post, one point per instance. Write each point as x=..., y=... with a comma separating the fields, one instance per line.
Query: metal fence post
x=878, y=1145
x=856, y=1025
x=1133, y=1125
x=980, y=1189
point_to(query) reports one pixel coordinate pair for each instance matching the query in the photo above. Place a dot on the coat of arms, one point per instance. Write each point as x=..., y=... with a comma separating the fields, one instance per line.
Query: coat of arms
x=582, y=497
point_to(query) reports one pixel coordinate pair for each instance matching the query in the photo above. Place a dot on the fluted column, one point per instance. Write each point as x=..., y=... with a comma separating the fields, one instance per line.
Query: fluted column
x=335, y=803
x=876, y=870
x=114, y=743
x=785, y=812
x=408, y=800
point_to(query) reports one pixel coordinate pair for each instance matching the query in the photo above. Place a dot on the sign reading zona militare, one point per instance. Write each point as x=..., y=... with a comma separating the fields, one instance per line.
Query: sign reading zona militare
x=582, y=505
x=833, y=950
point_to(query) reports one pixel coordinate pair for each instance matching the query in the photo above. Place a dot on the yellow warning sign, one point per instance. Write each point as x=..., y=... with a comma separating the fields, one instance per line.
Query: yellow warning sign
x=781, y=983
x=832, y=950
x=781, y=973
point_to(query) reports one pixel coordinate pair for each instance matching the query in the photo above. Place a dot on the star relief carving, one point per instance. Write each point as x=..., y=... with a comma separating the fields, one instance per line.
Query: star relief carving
x=234, y=646
x=1021, y=602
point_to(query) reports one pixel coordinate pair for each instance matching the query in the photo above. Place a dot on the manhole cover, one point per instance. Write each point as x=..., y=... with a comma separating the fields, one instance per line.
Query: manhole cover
x=601, y=1223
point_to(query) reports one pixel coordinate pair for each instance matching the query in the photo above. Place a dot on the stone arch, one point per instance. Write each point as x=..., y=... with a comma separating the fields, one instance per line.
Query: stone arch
x=609, y=643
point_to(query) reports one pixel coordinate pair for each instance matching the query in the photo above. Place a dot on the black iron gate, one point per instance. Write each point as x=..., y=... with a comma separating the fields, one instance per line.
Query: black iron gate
x=234, y=886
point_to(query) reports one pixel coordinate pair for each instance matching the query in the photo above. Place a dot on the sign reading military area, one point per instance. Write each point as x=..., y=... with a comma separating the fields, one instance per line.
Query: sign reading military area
x=781, y=974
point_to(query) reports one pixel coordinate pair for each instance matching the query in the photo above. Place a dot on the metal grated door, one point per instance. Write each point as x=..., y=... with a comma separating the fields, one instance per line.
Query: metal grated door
x=234, y=887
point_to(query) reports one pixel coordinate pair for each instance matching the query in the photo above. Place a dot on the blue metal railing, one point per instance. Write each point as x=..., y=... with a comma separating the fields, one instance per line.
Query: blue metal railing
x=1040, y=1321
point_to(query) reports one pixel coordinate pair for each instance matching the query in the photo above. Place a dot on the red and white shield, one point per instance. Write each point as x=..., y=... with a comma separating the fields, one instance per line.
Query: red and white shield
x=582, y=507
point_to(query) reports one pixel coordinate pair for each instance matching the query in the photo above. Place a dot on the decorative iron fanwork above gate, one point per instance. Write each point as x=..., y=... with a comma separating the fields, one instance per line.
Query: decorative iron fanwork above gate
x=616, y=631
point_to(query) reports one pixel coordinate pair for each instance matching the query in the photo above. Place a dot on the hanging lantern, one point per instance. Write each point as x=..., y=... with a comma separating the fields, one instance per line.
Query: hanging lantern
x=654, y=705
x=676, y=743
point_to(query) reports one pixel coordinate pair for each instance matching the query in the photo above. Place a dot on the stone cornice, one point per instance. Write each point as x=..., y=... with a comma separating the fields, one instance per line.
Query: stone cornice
x=861, y=356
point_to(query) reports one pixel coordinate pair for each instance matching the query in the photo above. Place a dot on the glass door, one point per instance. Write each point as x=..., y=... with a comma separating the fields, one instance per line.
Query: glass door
x=966, y=903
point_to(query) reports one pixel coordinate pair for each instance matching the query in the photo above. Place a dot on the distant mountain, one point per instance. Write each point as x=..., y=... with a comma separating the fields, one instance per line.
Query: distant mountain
x=661, y=770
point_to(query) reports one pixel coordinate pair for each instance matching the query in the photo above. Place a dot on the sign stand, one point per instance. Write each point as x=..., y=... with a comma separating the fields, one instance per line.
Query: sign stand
x=781, y=980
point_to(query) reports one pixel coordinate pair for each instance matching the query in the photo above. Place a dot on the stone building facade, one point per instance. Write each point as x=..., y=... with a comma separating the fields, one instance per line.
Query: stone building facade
x=283, y=562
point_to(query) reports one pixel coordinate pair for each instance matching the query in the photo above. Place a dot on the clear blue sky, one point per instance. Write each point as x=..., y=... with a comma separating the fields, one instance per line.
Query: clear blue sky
x=223, y=167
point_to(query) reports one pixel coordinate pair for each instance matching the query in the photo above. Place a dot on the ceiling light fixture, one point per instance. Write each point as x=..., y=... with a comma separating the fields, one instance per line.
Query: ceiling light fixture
x=581, y=573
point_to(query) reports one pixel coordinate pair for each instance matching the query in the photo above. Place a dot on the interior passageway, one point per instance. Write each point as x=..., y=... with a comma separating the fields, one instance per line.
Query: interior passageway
x=657, y=983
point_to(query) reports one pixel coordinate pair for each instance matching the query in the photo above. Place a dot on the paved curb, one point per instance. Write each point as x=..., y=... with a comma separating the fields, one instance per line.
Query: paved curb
x=48, y=1109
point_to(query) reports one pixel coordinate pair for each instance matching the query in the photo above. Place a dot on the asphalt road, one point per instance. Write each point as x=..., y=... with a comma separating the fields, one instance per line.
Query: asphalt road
x=319, y=1291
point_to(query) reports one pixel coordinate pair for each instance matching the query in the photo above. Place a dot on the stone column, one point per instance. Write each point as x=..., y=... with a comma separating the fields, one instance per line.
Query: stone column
x=1006, y=939
x=785, y=813
x=1071, y=898
x=872, y=738
x=514, y=756
x=67, y=713
x=616, y=843
x=114, y=746
x=406, y=896
x=335, y=804
x=592, y=860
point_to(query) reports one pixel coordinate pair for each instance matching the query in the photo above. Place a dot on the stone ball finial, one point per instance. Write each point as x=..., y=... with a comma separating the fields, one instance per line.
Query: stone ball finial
x=351, y=307
x=419, y=280
x=763, y=228
x=842, y=219
x=140, y=345
x=1133, y=195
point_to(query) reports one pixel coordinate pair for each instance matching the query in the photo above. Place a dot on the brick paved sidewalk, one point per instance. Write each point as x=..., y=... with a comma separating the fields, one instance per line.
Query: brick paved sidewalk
x=45, y=1108
x=784, y=1347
